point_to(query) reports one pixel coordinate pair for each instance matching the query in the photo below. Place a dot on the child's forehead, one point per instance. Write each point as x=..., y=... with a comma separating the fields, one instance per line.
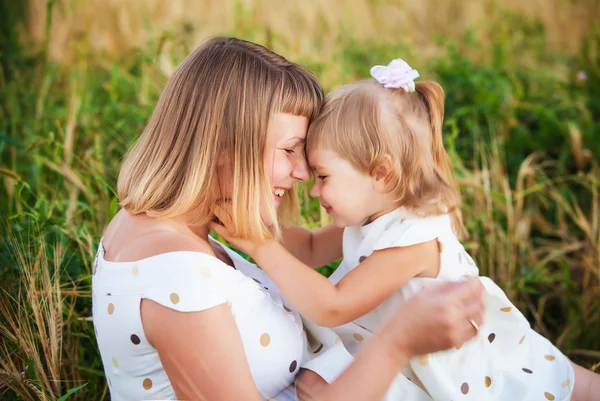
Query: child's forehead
x=319, y=158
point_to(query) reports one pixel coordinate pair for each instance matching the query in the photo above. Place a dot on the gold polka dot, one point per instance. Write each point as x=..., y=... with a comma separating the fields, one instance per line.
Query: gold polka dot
x=491, y=338
x=464, y=388
x=566, y=383
x=506, y=309
x=424, y=360
x=549, y=396
x=115, y=363
x=135, y=270
x=147, y=383
x=174, y=298
x=549, y=357
x=467, y=277
x=286, y=308
x=488, y=381
x=440, y=246
x=206, y=272
x=338, y=340
x=358, y=337
x=111, y=309
x=522, y=339
x=265, y=339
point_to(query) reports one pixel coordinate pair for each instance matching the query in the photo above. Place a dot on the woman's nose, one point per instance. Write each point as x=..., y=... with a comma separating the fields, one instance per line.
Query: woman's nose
x=300, y=171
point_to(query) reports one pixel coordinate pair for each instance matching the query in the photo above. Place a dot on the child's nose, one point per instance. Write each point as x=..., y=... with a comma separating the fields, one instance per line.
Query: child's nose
x=314, y=191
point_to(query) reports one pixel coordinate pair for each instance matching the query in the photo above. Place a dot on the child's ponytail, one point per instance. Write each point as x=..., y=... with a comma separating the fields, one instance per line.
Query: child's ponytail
x=433, y=97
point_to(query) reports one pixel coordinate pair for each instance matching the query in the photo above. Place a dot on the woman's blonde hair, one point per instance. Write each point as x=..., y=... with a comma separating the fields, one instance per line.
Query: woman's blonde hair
x=220, y=99
x=365, y=123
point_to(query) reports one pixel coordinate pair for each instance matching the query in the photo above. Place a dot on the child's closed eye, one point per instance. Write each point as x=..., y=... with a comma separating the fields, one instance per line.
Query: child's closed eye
x=290, y=151
x=321, y=177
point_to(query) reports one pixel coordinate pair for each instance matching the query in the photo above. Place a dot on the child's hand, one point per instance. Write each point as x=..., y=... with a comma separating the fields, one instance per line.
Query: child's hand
x=223, y=228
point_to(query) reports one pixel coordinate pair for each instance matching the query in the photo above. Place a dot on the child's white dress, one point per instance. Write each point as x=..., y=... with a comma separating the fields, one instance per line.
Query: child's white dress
x=507, y=361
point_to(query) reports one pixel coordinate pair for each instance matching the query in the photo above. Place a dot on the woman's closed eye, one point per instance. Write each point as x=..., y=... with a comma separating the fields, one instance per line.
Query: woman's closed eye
x=290, y=151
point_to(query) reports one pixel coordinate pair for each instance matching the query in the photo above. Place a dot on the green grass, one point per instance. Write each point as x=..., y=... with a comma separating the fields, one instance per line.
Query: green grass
x=522, y=126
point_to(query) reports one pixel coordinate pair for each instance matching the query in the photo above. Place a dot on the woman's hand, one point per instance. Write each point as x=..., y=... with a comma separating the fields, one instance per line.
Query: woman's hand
x=222, y=212
x=437, y=318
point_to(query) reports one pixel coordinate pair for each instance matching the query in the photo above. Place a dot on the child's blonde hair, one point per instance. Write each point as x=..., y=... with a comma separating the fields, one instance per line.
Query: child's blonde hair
x=220, y=99
x=364, y=122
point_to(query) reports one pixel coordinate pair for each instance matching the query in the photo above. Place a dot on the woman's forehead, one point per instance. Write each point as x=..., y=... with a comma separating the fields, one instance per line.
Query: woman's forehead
x=285, y=127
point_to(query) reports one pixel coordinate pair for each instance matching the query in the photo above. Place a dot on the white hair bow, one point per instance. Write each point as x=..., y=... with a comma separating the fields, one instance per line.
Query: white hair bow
x=397, y=74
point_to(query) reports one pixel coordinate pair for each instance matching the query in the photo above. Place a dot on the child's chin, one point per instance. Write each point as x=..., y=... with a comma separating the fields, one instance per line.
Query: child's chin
x=339, y=223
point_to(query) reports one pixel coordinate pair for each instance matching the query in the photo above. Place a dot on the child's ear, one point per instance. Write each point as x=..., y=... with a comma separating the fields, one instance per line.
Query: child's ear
x=381, y=173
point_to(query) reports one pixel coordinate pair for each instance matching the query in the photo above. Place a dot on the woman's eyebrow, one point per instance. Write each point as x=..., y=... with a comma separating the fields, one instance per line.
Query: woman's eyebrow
x=294, y=140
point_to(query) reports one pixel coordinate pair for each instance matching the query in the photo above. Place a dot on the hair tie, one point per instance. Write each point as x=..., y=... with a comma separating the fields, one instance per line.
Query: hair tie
x=397, y=74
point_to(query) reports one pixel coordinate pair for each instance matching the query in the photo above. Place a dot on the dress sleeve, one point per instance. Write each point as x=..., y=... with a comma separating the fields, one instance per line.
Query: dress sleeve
x=412, y=231
x=187, y=281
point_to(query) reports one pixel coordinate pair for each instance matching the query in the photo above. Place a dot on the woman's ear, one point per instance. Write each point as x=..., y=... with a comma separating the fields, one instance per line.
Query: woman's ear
x=381, y=172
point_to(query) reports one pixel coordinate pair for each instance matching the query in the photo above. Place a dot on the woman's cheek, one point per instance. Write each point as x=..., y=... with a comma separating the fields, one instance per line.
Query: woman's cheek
x=280, y=170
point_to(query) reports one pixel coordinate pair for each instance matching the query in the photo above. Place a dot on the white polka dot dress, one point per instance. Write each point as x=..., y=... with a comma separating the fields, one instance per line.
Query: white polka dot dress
x=273, y=336
x=506, y=361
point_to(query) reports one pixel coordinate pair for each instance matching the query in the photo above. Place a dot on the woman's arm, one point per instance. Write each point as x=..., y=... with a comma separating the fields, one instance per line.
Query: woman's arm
x=435, y=319
x=314, y=248
x=201, y=352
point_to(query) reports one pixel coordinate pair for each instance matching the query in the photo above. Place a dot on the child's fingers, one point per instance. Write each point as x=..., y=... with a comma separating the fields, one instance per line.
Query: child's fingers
x=222, y=214
x=219, y=229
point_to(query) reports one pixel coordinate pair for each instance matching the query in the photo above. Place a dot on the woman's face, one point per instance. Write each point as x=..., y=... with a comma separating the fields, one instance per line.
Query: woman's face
x=285, y=162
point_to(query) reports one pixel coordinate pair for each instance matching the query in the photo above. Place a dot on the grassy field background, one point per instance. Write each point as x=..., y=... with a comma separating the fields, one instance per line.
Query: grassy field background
x=78, y=80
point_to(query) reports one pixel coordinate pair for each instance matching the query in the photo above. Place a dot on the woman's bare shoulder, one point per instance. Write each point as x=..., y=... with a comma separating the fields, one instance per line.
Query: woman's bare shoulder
x=131, y=238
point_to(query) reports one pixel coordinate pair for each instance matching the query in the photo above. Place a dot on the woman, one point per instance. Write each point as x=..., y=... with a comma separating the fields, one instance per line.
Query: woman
x=177, y=314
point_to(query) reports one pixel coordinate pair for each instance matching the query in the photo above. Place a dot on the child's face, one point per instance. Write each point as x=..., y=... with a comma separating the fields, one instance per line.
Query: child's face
x=348, y=195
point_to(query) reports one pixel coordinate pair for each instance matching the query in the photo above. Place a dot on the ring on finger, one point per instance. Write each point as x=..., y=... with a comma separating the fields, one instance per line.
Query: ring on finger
x=475, y=325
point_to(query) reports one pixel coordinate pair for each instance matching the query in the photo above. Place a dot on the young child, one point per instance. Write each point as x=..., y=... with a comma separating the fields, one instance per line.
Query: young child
x=382, y=173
